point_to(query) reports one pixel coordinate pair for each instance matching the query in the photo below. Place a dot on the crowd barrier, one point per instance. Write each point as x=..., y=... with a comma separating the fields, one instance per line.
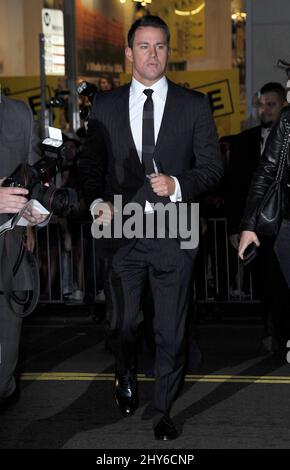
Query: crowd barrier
x=71, y=271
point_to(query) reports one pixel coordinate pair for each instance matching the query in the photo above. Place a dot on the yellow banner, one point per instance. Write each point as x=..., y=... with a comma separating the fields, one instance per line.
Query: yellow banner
x=222, y=88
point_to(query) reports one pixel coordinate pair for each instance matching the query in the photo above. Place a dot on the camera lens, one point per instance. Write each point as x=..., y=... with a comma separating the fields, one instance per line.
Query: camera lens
x=85, y=112
x=59, y=201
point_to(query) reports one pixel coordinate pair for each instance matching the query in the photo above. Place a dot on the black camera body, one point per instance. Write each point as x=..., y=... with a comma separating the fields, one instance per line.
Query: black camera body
x=37, y=179
x=90, y=90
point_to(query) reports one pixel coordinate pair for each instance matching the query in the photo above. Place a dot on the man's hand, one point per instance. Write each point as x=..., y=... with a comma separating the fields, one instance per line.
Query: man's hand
x=235, y=240
x=33, y=216
x=247, y=237
x=104, y=212
x=162, y=185
x=12, y=200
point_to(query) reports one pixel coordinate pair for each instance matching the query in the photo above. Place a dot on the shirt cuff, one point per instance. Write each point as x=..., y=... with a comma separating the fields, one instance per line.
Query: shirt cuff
x=177, y=196
x=93, y=205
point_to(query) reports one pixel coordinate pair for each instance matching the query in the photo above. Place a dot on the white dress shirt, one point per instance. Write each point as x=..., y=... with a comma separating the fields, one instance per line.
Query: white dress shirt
x=136, y=102
x=264, y=136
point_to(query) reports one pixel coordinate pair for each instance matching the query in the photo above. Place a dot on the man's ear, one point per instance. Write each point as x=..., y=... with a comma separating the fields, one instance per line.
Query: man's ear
x=129, y=53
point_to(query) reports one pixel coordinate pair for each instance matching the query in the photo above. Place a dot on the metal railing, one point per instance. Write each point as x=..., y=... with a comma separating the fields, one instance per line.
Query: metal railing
x=70, y=269
x=220, y=275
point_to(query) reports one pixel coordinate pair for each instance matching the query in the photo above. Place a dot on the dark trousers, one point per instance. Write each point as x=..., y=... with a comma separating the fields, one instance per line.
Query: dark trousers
x=274, y=291
x=168, y=269
x=10, y=329
x=281, y=247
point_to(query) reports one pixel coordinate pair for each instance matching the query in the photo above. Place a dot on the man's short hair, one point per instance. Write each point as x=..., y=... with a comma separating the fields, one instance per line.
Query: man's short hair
x=145, y=21
x=274, y=87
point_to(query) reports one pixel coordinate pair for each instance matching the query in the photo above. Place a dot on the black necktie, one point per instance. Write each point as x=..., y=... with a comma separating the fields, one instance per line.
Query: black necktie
x=148, y=141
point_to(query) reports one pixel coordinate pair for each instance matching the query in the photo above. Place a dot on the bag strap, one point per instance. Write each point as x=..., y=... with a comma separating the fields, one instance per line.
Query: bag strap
x=283, y=153
x=28, y=302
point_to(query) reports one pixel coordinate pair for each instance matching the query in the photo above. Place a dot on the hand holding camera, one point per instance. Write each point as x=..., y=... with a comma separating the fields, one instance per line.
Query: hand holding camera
x=12, y=200
x=35, y=181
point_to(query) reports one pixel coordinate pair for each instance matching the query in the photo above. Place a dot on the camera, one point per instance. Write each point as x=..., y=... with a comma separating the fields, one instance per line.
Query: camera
x=90, y=91
x=37, y=178
x=58, y=100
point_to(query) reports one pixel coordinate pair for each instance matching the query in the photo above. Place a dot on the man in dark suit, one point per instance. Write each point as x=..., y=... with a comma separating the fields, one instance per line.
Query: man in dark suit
x=18, y=144
x=150, y=141
x=245, y=151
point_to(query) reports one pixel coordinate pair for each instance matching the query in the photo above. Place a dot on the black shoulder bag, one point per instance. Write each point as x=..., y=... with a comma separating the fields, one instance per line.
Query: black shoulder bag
x=270, y=212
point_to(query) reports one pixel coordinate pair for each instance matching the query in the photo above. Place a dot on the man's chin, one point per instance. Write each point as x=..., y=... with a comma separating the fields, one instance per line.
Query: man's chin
x=151, y=79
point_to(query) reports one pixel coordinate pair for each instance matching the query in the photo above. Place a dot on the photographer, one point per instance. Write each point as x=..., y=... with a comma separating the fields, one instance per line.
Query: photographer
x=18, y=143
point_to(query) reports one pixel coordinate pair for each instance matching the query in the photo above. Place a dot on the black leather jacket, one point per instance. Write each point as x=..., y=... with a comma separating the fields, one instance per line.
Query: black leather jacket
x=266, y=172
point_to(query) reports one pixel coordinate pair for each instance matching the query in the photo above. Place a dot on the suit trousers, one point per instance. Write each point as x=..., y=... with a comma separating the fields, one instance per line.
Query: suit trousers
x=169, y=271
x=9, y=344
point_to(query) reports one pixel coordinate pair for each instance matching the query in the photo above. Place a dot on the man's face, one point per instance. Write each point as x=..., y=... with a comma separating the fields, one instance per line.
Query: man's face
x=104, y=84
x=148, y=55
x=269, y=108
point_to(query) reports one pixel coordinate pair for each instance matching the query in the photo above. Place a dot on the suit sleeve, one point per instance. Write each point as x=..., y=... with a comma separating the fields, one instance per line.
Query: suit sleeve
x=33, y=136
x=236, y=195
x=207, y=170
x=93, y=162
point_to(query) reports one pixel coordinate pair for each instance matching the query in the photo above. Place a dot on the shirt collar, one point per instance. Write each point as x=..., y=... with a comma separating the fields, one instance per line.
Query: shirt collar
x=265, y=131
x=160, y=88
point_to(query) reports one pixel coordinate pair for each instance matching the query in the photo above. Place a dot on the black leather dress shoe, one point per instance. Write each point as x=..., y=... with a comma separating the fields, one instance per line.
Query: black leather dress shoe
x=165, y=430
x=125, y=391
x=7, y=402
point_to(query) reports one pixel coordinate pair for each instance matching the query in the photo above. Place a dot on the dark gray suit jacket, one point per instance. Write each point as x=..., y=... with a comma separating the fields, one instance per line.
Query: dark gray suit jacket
x=187, y=147
x=18, y=143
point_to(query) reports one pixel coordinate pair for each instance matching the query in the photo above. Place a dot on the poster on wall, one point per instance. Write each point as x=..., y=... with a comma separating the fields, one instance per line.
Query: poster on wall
x=99, y=37
x=186, y=21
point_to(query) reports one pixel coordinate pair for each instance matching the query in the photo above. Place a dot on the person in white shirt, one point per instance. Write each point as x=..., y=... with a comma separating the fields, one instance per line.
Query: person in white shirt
x=150, y=141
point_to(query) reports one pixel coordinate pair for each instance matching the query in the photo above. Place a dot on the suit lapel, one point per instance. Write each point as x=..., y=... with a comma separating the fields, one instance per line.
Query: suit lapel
x=257, y=141
x=122, y=112
x=168, y=123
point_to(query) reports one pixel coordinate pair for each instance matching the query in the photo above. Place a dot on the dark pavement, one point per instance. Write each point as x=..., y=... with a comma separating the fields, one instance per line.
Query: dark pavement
x=237, y=399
